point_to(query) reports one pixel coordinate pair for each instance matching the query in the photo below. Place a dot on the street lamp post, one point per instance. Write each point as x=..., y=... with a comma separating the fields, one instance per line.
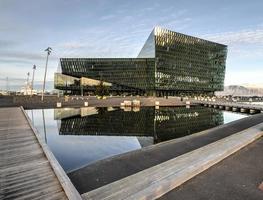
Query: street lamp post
x=48, y=50
x=7, y=86
x=27, y=82
x=33, y=76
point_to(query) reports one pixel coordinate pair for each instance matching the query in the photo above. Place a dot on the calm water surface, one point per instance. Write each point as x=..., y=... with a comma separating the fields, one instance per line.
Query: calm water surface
x=80, y=136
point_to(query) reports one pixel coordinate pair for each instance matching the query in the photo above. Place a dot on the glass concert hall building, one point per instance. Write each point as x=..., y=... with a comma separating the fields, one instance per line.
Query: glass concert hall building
x=169, y=63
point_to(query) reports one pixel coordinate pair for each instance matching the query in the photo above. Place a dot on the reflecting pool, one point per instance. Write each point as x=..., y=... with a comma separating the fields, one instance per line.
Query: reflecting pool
x=80, y=136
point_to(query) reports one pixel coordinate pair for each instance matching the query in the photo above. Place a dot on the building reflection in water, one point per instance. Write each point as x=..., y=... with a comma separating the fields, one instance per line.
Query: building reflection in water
x=148, y=124
x=81, y=136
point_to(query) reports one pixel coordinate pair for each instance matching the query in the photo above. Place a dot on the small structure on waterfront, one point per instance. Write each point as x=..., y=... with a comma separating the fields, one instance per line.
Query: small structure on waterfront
x=133, y=103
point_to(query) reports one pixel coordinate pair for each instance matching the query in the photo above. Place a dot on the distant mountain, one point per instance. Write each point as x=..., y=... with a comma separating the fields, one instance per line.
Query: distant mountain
x=242, y=90
x=257, y=86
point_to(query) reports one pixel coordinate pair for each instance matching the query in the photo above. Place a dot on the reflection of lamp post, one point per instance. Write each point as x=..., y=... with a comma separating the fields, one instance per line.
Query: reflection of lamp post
x=81, y=86
x=44, y=125
x=32, y=117
x=48, y=50
x=32, y=83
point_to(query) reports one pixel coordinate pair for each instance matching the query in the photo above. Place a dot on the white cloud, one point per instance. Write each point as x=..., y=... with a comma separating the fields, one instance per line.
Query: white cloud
x=247, y=36
x=72, y=45
x=243, y=77
x=247, y=43
x=7, y=43
x=22, y=56
x=180, y=23
x=107, y=17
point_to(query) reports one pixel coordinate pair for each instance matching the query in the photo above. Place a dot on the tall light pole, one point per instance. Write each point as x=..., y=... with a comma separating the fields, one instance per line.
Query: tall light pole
x=27, y=82
x=7, y=85
x=32, y=83
x=48, y=50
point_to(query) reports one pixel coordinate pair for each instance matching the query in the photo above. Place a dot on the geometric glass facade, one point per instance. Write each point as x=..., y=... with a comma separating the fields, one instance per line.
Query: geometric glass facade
x=169, y=63
x=124, y=74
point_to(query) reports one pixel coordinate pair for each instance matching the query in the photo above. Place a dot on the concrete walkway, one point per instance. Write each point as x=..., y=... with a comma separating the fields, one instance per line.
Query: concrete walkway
x=35, y=102
x=160, y=179
x=28, y=169
x=238, y=177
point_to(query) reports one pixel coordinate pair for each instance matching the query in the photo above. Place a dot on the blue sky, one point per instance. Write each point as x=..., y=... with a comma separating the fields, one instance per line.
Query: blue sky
x=119, y=28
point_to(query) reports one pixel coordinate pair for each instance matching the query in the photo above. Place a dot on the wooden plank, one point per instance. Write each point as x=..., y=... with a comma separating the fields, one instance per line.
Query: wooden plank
x=29, y=176
x=25, y=151
x=27, y=182
x=160, y=179
x=42, y=188
x=18, y=160
x=19, y=149
x=8, y=134
x=25, y=171
x=17, y=145
x=64, y=180
x=11, y=127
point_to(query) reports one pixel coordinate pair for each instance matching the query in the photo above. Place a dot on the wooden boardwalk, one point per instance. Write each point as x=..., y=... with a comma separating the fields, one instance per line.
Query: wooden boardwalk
x=26, y=171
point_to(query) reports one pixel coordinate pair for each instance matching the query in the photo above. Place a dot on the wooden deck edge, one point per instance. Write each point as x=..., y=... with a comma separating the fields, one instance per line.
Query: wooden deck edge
x=195, y=162
x=64, y=180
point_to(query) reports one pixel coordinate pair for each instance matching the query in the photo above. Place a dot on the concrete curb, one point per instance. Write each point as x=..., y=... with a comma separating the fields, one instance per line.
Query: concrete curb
x=65, y=182
x=160, y=179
